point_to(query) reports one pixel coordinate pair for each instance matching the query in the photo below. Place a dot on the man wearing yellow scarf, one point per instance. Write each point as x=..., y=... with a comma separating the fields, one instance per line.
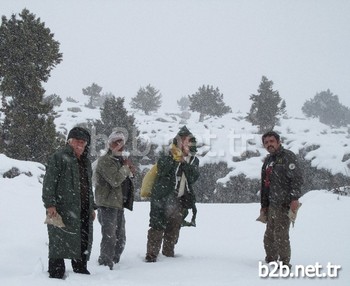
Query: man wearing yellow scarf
x=172, y=194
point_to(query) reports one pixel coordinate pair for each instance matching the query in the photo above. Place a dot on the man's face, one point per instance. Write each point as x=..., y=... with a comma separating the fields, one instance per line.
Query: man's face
x=78, y=146
x=117, y=146
x=271, y=144
x=185, y=145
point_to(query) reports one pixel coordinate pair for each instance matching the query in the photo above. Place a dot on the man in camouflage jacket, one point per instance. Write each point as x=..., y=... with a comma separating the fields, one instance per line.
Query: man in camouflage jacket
x=281, y=180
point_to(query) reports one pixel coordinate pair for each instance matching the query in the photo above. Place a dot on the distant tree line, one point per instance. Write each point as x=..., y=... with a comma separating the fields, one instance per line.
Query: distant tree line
x=29, y=52
x=326, y=107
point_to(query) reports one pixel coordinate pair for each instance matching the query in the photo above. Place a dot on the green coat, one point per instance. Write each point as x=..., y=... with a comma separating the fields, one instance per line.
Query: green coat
x=110, y=174
x=164, y=193
x=61, y=188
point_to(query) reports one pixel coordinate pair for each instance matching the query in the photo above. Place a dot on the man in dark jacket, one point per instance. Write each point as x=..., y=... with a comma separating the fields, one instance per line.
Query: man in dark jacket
x=67, y=192
x=281, y=179
x=171, y=194
x=113, y=185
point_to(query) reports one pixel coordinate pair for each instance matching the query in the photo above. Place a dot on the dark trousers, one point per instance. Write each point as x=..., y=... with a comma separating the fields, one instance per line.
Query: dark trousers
x=57, y=267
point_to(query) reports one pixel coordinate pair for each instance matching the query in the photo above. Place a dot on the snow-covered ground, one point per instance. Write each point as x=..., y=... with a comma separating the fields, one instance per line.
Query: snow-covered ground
x=224, y=249
x=226, y=246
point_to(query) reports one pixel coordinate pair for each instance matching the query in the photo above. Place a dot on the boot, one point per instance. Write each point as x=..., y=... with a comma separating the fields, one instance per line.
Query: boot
x=110, y=264
x=57, y=268
x=80, y=266
x=154, y=242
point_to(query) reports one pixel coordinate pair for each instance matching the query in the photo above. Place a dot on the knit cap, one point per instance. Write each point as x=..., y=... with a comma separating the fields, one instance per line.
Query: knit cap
x=115, y=136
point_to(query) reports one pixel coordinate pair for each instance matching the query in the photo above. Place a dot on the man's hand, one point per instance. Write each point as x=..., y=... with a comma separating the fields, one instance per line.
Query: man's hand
x=131, y=166
x=51, y=211
x=294, y=205
x=263, y=215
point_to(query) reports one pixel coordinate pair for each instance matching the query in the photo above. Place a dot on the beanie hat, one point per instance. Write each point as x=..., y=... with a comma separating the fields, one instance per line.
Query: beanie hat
x=80, y=134
x=115, y=136
x=185, y=132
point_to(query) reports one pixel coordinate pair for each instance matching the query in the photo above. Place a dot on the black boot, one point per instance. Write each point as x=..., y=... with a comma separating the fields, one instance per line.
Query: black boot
x=80, y=266
x=57, y=268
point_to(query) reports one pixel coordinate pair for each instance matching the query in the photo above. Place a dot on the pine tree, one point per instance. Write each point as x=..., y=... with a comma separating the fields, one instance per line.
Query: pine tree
x=93, y=91
x=147, y=99
x=208, y=101
x=28, y=53
x=184, y=103
x=326, y=106
x=53, y=99
x=115, y=116
x=267, y=106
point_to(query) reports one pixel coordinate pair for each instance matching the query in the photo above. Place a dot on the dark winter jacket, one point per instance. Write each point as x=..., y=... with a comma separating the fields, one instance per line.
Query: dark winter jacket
x=283, y=184
x=164, y=192
x=61, y=188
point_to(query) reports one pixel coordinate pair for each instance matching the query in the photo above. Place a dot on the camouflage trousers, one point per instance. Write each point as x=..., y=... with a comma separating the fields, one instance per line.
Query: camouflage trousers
x=276, y=238
x=168, y=236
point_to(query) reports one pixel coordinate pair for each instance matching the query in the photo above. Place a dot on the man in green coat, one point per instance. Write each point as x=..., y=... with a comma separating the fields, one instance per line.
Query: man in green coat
x=67, y=192
x=172, y=194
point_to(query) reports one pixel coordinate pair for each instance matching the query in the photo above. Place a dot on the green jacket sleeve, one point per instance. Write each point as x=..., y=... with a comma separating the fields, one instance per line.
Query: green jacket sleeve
x=111, y=171
x=51, y=180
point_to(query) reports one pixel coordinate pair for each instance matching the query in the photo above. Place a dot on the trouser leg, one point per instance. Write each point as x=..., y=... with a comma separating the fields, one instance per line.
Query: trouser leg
x=282, y=237
x=57, y=268
x=269, y=237
x=172, y=230
x=276, y=238
x=120, y=237
x=80, y=265
x=154, y=242
x=108, y=220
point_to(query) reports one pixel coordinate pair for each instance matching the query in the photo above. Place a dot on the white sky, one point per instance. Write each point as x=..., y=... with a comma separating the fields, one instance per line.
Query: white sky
x=177, y=46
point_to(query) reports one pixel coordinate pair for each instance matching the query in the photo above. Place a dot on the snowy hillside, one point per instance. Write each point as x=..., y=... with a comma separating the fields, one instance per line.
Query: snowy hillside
x=222, y=139
x=224, y=249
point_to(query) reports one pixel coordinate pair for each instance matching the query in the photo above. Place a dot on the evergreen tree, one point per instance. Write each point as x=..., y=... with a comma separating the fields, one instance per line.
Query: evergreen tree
x=208, y=101
x=100, y=100
x=93, y=91
x=184, y=103
x=267, y=106
x=326, y=106
x=53, y=99
x=115, y=116
x=147, y=99
x=28, y=53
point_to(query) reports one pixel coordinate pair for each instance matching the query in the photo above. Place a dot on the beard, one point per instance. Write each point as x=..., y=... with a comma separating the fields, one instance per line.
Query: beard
x=117, y=151
x=271, y=149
